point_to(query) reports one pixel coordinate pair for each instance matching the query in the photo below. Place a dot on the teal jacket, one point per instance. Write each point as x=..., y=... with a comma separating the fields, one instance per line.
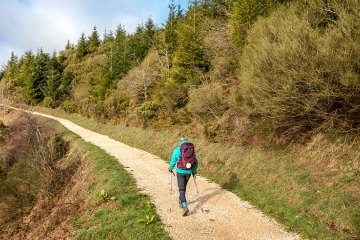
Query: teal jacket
x=175, y=158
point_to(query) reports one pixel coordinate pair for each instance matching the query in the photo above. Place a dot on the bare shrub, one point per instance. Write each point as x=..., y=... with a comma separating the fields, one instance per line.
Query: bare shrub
x=25, y=131
x=219, y=48
x=42, y=159
x=207, y=102
x=304, y=79
x=32, y=151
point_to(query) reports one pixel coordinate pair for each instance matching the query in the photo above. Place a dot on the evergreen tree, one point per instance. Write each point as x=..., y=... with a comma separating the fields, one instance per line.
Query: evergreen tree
x=121, y=62
x=65, y=85
x=11, y=71
x=216, y=9
x=32, y=88
x=82, y=47
x=68, y=45
x=54, y=63
x=50, y=89
x=189, y=60
x=150, y=29
x=94, y=40
x=26, y=68
x=170, y=27
x=108, y=36
x=115, y=66
x=142, y=40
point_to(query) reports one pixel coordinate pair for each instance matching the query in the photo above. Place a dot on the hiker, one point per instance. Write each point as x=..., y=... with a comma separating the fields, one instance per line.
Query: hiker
x=186, y=164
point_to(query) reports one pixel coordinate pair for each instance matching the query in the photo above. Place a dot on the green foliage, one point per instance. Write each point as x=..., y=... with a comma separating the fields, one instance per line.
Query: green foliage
x=246, y=13
x=82, y=47
x=66, y=79
x=11, y=70
x=108, y=36
x=147, y=110
x=94, y=40
x=302, y=79
x=119, y=58
x=25, y=71
x=172, y=95
x=149, y=219
x=116, y=106
x=104, y=196
x=174, y=16
x=51, y=90
x=189, y=60
x=39, y=74
x=142, y=40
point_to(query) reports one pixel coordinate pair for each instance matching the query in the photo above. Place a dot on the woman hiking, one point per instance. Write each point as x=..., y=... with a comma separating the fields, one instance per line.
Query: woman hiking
x=186, y=164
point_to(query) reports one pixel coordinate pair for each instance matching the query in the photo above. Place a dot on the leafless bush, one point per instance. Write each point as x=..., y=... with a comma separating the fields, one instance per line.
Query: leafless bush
x=207, y=102
x=42, y=159
x=220, y=49
x=33, y=149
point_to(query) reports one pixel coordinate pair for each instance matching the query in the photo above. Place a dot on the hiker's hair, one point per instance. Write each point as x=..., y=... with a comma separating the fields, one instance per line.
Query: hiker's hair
x=182, y=138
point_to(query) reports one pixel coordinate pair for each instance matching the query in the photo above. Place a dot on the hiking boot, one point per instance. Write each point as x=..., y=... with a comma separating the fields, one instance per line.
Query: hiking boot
x=182, y=204
x=185, y=211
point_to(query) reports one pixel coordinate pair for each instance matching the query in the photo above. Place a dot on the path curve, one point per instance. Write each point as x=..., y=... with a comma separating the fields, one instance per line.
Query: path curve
x=224, y=215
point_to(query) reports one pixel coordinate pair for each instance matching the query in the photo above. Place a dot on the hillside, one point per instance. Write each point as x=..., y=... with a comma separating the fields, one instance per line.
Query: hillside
x=269, y=91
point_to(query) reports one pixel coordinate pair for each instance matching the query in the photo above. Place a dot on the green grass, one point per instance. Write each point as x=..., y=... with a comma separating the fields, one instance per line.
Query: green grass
x=129, y=216
x=290, y=185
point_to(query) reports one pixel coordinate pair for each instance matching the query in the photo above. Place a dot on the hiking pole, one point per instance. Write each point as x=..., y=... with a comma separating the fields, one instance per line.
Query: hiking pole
x=197, y=190
x=171, y=172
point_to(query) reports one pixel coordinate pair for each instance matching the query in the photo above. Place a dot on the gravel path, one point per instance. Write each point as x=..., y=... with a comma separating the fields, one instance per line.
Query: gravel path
x=224, y=215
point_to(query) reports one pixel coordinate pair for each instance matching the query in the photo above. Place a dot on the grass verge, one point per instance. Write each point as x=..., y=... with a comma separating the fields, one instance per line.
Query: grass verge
x=114, y=208
x=312, y=190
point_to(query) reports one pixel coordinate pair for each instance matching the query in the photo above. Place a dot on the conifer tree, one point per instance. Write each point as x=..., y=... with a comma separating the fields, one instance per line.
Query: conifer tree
x=170, y=28
x=142, y=40
x=94, y=40
x=82, y=47
x=32, y=88
x=189, y=60
x=120, y=60
x=68, y=45
x=108, y=36
x=12, y=69
x=116, y=64
x=26, y=68
x=50, y=89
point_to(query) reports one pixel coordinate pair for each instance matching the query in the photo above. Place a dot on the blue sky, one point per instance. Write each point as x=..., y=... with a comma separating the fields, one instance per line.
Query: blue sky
x=49, y=24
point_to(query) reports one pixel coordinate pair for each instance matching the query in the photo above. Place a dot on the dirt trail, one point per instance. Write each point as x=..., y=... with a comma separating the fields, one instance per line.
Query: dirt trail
x=224, y=215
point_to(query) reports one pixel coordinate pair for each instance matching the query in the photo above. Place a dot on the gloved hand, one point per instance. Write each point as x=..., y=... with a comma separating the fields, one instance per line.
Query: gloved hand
x=170, y=170
x=194, y=174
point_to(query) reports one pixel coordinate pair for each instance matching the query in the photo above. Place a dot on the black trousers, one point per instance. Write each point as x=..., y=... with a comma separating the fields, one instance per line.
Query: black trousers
x=182, y=180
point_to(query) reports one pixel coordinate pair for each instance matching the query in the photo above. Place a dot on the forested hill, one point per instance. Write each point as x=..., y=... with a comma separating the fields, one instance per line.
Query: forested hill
x=272, y=74
x=276, y=67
